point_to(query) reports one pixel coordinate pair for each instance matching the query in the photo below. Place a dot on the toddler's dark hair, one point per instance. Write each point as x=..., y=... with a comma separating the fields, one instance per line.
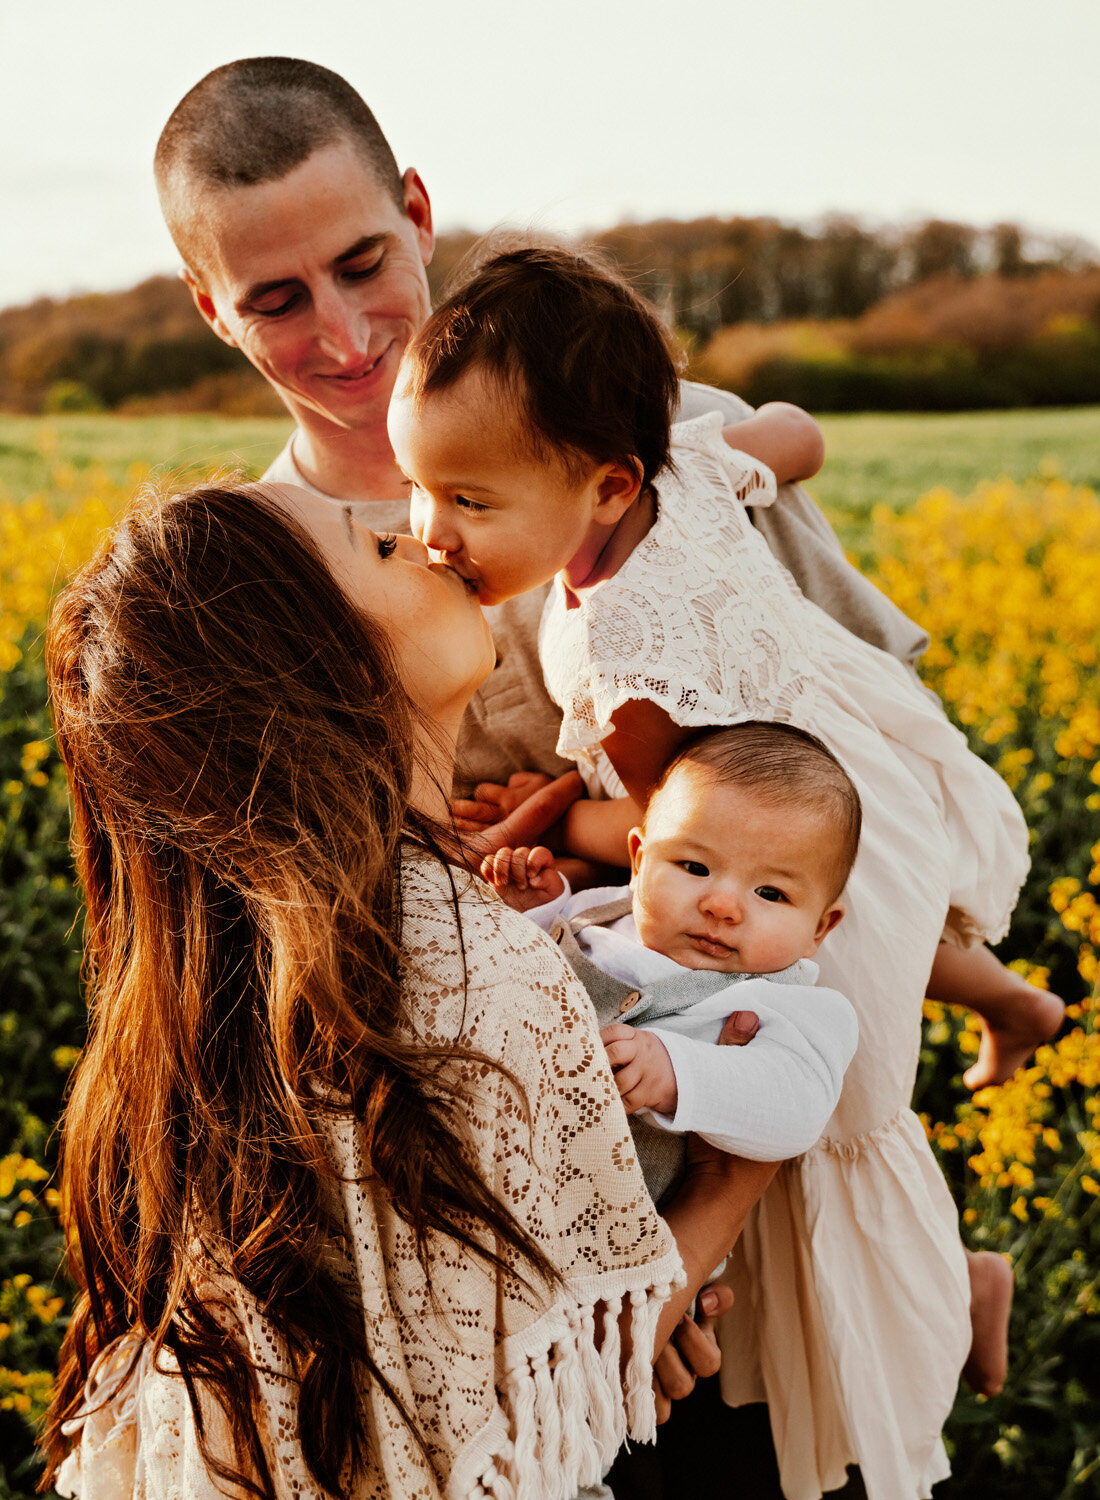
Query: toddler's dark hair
x=586, y=361
x=784, y=767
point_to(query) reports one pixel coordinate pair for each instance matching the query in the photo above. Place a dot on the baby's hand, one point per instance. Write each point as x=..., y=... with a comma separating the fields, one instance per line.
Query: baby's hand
x=523, y=877
x=642, y=1067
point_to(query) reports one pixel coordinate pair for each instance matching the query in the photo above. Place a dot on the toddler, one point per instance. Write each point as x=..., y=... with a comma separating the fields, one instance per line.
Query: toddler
x=532, y=416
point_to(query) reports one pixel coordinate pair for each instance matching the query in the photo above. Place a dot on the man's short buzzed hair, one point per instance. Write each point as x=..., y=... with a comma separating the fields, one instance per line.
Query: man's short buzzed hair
x=783, y=766
x=254, y=121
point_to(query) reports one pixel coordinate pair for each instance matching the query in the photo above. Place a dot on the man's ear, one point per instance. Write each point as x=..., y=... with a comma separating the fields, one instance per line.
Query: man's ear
x=617, y=488
x=635, y=843
x=419, y=209
x=205, y=304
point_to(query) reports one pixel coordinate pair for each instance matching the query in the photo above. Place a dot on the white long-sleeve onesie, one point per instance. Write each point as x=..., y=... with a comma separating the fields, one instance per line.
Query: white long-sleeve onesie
x=768, y=1100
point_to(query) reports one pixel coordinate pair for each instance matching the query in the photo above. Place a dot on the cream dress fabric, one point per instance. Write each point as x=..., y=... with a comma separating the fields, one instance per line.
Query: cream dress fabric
x=518, y=1393
x=851, y=1318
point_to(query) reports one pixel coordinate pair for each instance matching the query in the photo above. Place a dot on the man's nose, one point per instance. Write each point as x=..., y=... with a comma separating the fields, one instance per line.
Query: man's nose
x=342, y=329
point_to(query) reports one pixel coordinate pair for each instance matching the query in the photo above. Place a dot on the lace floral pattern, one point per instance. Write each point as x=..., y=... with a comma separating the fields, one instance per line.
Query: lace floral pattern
x=671, y=626
x=516, y=1389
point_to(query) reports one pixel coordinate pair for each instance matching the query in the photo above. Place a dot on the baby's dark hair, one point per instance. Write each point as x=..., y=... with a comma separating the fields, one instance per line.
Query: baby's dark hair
x=587, y=363
x=784, y=767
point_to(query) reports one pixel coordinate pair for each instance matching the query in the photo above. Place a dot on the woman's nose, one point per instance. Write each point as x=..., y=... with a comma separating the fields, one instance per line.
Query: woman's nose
x=410, y=550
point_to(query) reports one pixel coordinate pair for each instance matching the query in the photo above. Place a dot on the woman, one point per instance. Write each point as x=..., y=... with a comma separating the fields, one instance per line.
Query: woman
x=350, y=1186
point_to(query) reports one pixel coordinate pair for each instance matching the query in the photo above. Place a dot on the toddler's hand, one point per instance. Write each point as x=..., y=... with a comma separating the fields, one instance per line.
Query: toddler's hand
x=643, y=1070
x=523, y=877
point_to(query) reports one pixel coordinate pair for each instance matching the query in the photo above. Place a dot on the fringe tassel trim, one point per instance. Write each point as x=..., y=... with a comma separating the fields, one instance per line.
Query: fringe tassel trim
x=566, y=1405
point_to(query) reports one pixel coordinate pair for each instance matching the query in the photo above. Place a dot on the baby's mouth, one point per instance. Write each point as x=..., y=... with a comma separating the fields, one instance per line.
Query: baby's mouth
x=711, y=946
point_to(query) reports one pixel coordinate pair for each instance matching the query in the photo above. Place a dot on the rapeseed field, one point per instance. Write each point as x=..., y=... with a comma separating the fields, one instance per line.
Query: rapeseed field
x=1005, y=580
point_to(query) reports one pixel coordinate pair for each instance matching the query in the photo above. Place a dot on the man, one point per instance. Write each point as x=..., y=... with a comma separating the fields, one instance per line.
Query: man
x=305, y=247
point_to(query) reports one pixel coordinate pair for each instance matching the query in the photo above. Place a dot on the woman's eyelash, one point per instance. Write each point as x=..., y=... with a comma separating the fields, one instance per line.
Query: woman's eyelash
x=387, y=546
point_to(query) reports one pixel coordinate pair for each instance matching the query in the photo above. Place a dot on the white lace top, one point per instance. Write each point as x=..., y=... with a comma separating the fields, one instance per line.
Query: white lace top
x=852, y=1311
x=518, y=1394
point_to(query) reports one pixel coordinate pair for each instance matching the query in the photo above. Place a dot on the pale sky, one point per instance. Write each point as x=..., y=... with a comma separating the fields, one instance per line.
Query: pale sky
x=569, y=115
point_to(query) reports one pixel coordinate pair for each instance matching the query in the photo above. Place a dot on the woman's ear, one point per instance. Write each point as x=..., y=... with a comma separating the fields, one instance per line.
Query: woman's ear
x=617, y=488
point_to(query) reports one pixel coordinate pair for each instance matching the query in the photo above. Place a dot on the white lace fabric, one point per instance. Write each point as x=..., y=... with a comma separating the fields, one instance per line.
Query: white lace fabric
x=517, y=1392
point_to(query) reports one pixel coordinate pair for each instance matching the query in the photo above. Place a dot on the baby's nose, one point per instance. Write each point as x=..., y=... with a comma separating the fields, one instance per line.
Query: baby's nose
x=723, y=902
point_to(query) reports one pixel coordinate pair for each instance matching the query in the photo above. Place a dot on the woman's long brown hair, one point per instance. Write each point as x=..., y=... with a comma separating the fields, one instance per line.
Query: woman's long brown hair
x=240, y=753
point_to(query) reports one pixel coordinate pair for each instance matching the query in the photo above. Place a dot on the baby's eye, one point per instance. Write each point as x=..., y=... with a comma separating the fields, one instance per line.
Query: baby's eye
x=770, y=893
x=693, y=867
x=472, y=507
x=387, y=546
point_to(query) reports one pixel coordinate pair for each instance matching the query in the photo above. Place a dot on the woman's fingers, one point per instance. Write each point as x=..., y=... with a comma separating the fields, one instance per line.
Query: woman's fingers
x=739, y=1028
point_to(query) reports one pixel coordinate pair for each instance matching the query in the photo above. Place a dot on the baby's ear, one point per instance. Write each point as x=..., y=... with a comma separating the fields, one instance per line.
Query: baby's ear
x=828, y=920
x=635, y=843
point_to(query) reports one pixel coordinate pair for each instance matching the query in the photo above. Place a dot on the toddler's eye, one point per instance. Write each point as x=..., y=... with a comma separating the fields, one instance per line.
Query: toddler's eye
x=387, y=545
x=693, y=867
x=770, y=893
x=473, y=507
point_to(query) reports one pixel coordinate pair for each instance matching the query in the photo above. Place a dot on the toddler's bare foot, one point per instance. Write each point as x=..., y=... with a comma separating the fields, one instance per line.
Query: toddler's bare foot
x=1034, y=1016
x=990, y=1304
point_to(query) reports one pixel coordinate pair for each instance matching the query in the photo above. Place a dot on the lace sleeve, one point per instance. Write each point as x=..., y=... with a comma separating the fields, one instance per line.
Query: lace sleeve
x=701, y=620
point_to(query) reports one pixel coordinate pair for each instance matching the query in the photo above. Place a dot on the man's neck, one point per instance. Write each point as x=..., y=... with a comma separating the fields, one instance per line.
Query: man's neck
x=349, y=465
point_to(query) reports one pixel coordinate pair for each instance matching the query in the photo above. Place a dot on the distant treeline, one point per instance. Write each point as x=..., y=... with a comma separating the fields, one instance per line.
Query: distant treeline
x=838, y=317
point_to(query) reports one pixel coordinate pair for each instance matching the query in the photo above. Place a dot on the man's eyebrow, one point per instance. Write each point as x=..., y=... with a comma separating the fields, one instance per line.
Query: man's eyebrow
x=362, y=246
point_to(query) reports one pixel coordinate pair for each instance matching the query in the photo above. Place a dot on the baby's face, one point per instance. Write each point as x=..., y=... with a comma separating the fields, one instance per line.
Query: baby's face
x=480, y=503
x=723, y=883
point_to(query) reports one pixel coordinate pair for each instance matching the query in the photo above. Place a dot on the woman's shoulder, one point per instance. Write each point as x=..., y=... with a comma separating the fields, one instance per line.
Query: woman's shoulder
x=458, y=936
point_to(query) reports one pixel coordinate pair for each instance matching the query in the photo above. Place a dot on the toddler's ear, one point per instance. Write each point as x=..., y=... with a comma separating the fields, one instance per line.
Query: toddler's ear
x=617, y=486
x=635, y=843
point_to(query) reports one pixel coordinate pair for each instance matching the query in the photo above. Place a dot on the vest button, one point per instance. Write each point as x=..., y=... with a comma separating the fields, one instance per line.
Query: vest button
x=557, y=932
x=628, y=1002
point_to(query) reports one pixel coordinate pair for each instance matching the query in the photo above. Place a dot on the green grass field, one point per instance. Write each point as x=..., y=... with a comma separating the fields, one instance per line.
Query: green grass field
x=871, y=460
x=892, y=459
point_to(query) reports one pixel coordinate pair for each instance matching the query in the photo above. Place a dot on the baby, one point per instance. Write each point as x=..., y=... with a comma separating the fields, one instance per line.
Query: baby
x=737, y=874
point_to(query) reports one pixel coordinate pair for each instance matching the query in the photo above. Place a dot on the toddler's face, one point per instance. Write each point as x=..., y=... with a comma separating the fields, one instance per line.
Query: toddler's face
x=480, y=503
x=725, y=884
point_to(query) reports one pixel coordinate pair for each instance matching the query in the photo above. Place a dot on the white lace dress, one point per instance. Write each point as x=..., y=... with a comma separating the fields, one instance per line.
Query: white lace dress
x=518, y=1393
x=852, y=1299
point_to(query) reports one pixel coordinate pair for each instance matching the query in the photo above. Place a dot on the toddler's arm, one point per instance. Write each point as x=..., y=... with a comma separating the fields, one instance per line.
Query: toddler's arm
x=772, y=1099
x=784, y=437
x=524, y=878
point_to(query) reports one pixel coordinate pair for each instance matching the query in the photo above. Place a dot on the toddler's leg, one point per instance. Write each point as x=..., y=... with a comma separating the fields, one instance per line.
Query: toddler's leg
x=990, y=1304
x=1015, y=1016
